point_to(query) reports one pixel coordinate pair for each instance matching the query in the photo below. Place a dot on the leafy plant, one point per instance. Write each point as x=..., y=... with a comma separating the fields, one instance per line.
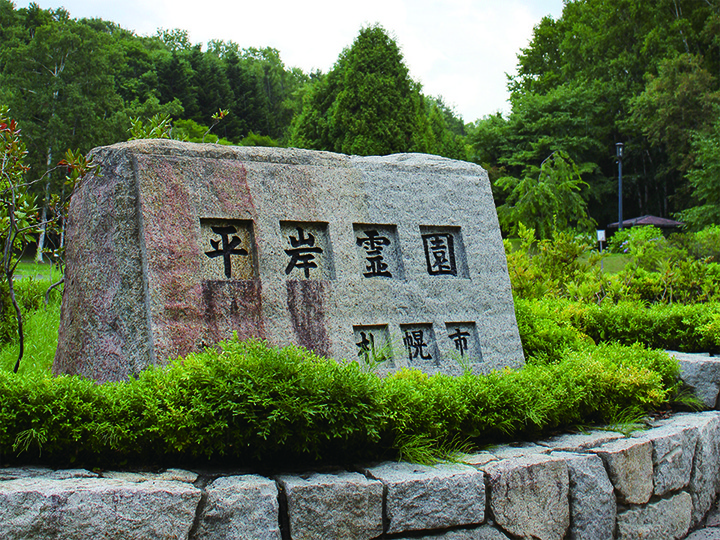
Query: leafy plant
x=17, y=211
x=158, y=126
x=246, y=402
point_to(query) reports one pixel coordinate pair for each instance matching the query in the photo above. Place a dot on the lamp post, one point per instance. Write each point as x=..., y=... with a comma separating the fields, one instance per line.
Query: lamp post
x=619, y=150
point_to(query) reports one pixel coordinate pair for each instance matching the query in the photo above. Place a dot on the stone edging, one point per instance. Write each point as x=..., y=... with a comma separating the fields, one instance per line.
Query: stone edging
x=660, y=483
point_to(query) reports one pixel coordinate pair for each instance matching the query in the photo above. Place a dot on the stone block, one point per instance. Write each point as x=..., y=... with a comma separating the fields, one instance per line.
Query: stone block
x=705, y=534
x=169, y=475
x=592, y=498
x=673, y=451
x=630, y=468
x=420, y=497
x=478, y=459
x=666, y=519
x=529, y=496
x=178, y=245
x=240, y=507
x=64, y=474
x=574, y=442
x=713, y=517
x=704, y=480
x=514, y=450
x=98, y=508
x=332, y=506
x=13, y=473
x=485, y=532
x=702, y=374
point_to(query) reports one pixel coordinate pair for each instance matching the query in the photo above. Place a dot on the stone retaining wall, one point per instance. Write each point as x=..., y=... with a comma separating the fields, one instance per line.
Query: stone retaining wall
x=659, y=483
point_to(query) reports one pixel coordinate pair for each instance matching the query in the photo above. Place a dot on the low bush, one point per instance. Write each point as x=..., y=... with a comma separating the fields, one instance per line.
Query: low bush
x=248, y=403
x=550, y=326
x=680, y=269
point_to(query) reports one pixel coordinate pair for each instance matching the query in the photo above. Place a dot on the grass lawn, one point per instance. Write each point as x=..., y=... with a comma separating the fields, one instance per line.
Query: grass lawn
x=29, y=268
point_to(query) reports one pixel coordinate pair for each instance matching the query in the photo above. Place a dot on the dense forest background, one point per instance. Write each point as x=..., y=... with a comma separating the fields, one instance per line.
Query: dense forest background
x=642, y=72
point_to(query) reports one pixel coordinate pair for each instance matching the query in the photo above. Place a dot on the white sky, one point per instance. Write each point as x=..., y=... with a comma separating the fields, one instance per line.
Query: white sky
x=458, y=49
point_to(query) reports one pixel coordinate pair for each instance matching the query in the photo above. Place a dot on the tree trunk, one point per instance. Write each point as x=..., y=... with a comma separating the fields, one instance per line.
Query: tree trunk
x=43, y=221
x=41, y=236
x=18, y=314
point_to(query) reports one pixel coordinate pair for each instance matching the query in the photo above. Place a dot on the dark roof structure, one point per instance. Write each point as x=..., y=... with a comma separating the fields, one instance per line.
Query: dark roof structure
x=655, y=221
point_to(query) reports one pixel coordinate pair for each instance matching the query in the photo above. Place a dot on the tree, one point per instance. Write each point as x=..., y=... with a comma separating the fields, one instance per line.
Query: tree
x=17, y=208
x=704, y=178
x=64, y=91
x=365, y=105
x=552, y=201
x=608, y=72
x=676, y=104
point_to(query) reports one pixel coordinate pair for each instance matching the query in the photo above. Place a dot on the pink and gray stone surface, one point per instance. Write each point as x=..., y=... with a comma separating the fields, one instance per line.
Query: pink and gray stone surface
x=176, y=246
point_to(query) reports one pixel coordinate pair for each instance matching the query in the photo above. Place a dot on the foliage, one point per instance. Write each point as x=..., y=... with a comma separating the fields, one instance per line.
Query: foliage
x=16, y=213
x=704, y=178
x=156, y=127
x=680, y=268
x=29, y=293
x=675, y=104
x=77, y=83
x=641, y=72
x=41, y=332
x=549, y=203
x=247, y=403
x=368, y=104
x=552, y=326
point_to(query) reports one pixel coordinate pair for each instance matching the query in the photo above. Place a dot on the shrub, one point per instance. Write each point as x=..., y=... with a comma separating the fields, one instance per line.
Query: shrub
x=247, y=403
x=551, y=326
x=660, y=270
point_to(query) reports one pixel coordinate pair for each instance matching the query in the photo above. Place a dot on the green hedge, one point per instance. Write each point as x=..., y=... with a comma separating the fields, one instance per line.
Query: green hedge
x=248, y=403
x=547, y=327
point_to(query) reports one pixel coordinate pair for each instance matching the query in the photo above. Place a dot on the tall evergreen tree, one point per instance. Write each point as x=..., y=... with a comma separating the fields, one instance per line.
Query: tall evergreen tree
x=366, y=104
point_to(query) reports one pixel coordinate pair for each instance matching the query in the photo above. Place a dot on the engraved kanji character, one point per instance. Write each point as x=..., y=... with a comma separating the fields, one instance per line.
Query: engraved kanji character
x=460, y=340
x=229, y=247
x=414, y=342
x=440, y=254
x=373, y=244
x=303, y=253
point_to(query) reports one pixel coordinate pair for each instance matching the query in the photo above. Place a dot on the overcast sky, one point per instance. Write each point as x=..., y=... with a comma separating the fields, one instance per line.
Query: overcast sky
x=458, y=49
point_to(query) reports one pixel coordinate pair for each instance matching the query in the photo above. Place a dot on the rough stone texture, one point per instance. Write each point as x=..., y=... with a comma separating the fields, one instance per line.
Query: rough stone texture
x=529, y=496
x=673, y=453
x=144, y=283
x=240, y=507
x=485, y=532
x=479, y=459
x=592, y=499
x=705, y=534
x=630, y=468
x=667, y=519
x=573, y=442
x=332, y=506
x=705, y=477
x=13, y=473
x=702, y=374
x=169, y=475
x=71, y=473
x=713, y=518
x=513, y=450
x=422, y=497
x=96, y=507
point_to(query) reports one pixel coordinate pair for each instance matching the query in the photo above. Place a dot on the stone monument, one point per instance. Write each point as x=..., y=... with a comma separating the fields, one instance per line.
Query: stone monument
x=395, y=260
